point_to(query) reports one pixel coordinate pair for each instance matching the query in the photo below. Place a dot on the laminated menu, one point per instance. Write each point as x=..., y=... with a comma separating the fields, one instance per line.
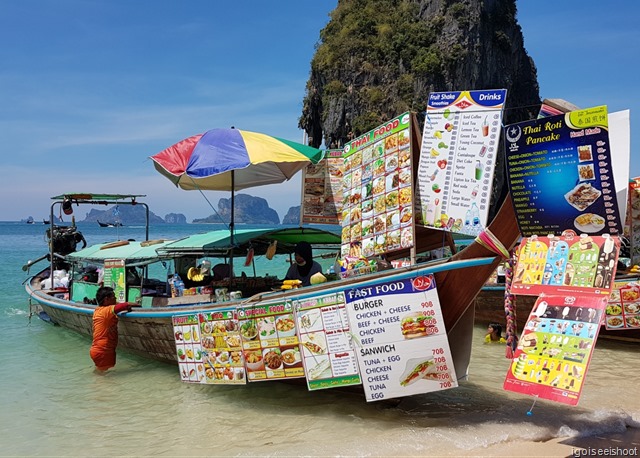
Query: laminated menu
x=561, y=175
x=554, y=350
x=457, y=159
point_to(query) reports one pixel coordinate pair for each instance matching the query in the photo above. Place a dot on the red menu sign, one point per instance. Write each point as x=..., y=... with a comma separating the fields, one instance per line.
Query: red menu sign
x=554, y=351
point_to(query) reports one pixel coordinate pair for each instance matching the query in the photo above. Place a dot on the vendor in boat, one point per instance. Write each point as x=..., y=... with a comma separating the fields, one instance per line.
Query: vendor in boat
x=304, y=266
x=494, y=334
x=105, y=328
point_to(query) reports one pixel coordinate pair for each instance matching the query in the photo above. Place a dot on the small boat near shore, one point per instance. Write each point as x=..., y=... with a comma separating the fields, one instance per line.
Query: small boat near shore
x=115, y=224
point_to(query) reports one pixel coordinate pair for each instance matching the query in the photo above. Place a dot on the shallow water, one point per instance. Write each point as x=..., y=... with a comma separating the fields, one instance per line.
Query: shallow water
x=52, y=403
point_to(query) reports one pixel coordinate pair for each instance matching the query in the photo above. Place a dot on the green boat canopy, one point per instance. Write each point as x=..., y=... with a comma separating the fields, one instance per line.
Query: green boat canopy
x=133, y=253
x=219, y=242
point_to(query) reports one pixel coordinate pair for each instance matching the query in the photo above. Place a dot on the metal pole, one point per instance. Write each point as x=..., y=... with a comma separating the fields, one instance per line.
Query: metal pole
x=231, y=228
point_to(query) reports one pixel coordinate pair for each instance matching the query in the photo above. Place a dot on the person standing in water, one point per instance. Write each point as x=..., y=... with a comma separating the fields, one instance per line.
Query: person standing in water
x=494, y=334
x=304, y=266
x=105, y=328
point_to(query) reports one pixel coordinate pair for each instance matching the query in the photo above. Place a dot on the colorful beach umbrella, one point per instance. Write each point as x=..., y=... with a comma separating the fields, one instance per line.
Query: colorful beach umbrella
x=231, y=160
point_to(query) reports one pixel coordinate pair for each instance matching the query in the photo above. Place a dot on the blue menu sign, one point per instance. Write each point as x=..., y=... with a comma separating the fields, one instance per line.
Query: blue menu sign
x=560, y=174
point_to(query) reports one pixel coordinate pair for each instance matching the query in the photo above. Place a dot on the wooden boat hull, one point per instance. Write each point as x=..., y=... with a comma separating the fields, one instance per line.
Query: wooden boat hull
x=148, y=332
x=489, y=307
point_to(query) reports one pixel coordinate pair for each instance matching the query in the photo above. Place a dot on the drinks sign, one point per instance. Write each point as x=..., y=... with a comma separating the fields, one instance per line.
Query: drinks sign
x=457, y=159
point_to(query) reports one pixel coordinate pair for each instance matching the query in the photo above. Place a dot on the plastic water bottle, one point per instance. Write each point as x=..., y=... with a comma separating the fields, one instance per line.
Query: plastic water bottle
x=178, y=284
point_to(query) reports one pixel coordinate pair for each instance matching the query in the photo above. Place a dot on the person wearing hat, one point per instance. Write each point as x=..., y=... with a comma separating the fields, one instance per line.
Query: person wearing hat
x=105, y=328
x=304, y=266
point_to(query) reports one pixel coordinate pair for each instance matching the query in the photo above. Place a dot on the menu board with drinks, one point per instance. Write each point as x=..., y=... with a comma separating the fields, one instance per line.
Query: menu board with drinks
x=114, y=276
x=208, y=348
x=270, y=341
x=329, y=356
x=457, y=159
x=377, y=210
x=322, y=190
x=554, y=350
x=560, y=174
x=401, y=338
x=567, y=264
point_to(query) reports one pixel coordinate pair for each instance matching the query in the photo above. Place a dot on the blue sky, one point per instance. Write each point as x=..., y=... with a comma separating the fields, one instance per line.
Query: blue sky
x=89, y=89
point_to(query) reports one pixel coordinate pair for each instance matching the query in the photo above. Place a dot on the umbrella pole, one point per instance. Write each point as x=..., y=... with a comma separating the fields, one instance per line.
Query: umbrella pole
x=231, y=227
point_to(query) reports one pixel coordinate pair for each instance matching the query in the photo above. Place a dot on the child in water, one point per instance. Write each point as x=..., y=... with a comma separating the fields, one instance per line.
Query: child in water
x=494, y=334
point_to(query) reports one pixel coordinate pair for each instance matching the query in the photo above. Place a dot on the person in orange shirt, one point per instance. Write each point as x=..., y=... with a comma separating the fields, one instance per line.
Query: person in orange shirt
x=105, y=328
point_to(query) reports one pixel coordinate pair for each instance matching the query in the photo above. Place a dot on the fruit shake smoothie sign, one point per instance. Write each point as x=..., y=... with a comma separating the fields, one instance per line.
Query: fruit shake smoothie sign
x=566, y=264
x=208, y=348
x=633, y=217
x=377, y=210
x=554, y=351
x=270, y=342
x=114, y=276
x=401, y=338
x=560, y=174
x=325, y=342
x=322, y=190
x=457, y=159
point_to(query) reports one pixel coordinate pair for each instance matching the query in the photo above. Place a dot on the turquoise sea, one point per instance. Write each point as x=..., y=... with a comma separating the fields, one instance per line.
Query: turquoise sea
x=53, y=404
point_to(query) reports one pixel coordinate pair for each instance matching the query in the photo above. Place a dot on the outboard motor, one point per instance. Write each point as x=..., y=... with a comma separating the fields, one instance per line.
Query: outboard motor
x=65, y=240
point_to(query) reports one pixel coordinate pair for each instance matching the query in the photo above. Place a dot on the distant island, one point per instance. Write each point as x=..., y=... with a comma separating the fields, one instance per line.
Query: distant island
x=248, y=210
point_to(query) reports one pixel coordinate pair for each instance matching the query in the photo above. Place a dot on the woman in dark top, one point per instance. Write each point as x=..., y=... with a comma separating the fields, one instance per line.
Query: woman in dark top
x=304, y=266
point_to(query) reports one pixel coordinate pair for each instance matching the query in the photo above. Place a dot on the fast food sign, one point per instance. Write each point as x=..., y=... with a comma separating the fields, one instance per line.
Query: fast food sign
x=402, y=342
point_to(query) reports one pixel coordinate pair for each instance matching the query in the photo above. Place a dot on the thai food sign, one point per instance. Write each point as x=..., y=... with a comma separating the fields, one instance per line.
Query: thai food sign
x=457, y=159
x=401, y=338
x=329, y=356
x=322, y=190
x=377, y=205
x=560, y=174
x=554, y=350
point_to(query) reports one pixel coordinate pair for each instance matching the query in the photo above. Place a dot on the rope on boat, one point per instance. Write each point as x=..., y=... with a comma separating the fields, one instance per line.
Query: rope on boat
x=510, y=307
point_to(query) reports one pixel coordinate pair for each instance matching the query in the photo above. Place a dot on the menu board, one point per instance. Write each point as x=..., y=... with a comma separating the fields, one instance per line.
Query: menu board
x=554, y=350
x=560, y=174
x=322, y=190
x=325, y=341
x=566, y=264
x=623, y=310
x=270, y=342
x=114, y=276
x=633, y=216
x=457, y=159
x=377, y=210
x=208, y=348
x=402, y=342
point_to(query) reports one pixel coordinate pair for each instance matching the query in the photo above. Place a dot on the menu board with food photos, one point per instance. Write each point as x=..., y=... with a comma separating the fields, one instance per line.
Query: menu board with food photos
x=567, y=264
x=623, y=310
x=632, y=230
x=377, y=210
x=270, y=341
x=114, y=276
x=208, y=348
x=457, y=159
x=329, y=355
x=554, y=350
x=561, y=176
x=401, y=338
x=322, y=190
